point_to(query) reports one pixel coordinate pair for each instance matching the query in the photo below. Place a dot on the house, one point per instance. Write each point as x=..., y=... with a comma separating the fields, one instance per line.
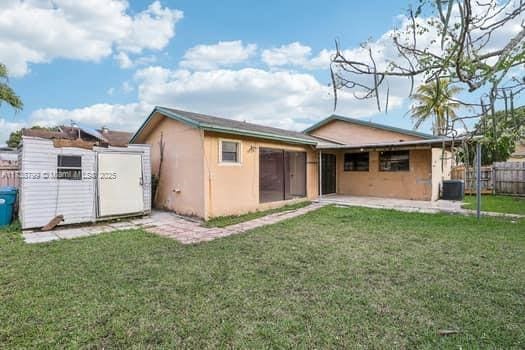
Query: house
x=214, y=166
x=378, y=160
x=83, y=174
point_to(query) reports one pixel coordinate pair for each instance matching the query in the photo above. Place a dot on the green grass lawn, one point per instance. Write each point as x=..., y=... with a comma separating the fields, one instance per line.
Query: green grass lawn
x=336, y=277
x=223, y=221
x=499, y=204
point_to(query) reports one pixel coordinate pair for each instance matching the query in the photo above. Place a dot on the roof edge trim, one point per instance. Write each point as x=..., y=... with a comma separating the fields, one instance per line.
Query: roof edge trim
x=210, y=127
x=369, y=124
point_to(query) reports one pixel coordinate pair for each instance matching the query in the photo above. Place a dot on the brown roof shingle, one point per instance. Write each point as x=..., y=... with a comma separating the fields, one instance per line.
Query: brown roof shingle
x=204, y=120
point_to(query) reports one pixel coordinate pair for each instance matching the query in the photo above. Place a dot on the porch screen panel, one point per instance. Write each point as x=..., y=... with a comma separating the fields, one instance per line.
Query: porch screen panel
x=294, y=175
x=271, y=179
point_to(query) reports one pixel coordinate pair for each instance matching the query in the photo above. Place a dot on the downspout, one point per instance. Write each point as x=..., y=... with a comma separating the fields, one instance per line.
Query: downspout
x=478, y=179
x=320, y=175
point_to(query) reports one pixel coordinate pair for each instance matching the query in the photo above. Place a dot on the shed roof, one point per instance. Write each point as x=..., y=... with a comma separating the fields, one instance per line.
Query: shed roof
x=229, y=126
x=369, y=124
x=111, y=137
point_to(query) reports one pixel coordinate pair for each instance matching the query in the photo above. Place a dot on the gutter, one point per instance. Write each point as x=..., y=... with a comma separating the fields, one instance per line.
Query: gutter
x=394, y=144
x=234, y=131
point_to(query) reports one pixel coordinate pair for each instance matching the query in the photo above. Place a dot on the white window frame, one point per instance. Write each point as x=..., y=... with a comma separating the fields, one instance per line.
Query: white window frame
x=58, y=168
x=239, y=153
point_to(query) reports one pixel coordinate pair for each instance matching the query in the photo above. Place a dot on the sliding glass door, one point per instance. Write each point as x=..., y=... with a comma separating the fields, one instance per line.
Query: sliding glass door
x=294, y=175
x=282, y=175
x=271, y=180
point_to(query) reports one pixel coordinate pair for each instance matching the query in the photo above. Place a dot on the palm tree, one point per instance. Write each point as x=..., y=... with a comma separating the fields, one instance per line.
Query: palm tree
x=7, y=94
x=435, y=100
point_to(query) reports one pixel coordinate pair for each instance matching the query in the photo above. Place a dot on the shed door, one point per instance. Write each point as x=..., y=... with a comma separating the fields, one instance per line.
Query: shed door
x=120, y=184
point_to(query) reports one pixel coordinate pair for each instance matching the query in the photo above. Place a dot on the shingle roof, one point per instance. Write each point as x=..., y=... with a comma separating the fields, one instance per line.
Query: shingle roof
x=369, y=124
x=218, y=124
x=116, y=138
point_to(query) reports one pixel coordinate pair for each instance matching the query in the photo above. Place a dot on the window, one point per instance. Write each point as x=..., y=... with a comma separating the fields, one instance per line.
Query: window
x=69, y=167
x=356, y=161
x=230, y=152
x=282, y=175
x=394, y=161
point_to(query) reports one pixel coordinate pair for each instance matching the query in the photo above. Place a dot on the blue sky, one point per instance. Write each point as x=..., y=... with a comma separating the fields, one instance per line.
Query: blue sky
x=268, y=68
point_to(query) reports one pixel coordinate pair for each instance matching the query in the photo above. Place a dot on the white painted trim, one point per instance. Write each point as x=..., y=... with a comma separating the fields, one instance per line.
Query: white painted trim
x=239, y=153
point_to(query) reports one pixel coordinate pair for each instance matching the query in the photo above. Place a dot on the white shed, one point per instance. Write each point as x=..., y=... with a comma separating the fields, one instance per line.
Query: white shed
x=82, y=184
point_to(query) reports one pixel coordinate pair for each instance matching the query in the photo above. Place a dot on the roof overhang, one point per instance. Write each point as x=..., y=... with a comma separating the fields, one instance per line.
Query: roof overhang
x=220, y=129
x=419, y=144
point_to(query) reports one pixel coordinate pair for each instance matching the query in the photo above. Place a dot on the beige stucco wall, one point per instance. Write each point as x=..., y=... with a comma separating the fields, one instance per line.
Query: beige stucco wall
x=349, y=133
x=233, y=189
x=441, y=169
x=193, y=182
x=414, y=184
x=181, y=187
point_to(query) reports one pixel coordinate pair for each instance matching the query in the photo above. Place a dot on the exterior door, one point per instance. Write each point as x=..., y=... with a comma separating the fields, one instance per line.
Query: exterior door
x=328, y=166
x=120, y=188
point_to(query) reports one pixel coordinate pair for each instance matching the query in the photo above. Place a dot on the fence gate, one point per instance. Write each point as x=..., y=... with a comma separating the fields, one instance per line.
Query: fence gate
x=509, y=178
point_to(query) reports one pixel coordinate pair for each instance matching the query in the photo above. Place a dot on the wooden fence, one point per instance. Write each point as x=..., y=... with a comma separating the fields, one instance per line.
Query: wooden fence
x=9, y=176
x=500, y=178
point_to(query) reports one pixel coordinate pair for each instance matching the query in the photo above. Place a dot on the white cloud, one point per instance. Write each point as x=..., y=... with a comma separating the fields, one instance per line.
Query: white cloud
x=127, y=87
x=89, y=30
x=291, y=54
x=151, y=29
x=123, y=60
x=298, y=55
x=222, y=54
x=125, y=117
x=279, y=98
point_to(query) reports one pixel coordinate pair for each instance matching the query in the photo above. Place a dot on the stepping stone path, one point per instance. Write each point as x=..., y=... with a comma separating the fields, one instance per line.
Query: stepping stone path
x=167, y=224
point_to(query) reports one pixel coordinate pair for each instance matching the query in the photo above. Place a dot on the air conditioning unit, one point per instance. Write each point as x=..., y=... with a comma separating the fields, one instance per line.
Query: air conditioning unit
x=453, y=190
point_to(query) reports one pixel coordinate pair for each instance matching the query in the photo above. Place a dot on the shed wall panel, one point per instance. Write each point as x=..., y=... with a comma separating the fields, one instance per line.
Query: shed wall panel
x=43, y=196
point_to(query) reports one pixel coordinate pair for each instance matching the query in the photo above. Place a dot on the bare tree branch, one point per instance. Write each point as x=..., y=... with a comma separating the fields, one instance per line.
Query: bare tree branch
x=467, y=50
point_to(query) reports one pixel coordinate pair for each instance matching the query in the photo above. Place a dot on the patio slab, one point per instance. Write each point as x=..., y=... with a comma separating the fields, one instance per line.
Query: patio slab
x=166, y=224
x=39, y=237
x=407, y=205
x=393, y=203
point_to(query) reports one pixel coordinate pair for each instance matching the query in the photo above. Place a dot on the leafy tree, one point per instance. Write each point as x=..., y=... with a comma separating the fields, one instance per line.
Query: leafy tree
x=14, y=139
x=501, y=132
x=435, y=100
x=7, y=94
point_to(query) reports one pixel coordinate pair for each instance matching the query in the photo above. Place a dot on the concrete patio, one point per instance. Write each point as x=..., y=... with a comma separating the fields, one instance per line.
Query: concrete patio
x=406, y=205
x=166, y=224
x=188, y=231
x=393, y=203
